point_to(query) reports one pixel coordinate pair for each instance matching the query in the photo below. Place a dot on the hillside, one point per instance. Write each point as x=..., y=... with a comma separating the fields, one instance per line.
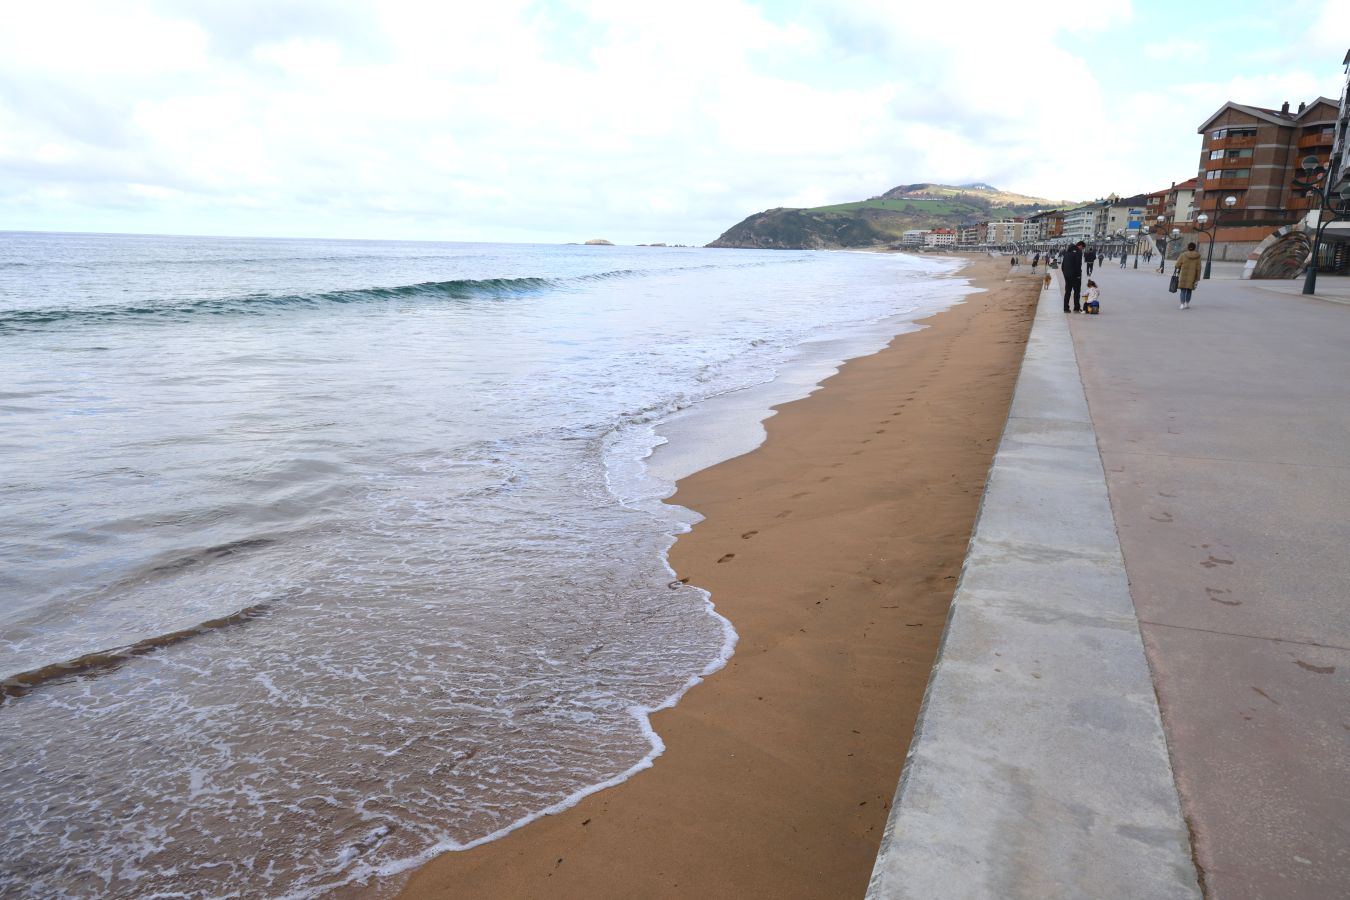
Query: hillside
x=881, y=220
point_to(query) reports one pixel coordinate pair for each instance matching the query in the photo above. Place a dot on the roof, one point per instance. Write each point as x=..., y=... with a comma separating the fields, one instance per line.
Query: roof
x=1273, y=116
x=1136, y=200
x=1187, y=185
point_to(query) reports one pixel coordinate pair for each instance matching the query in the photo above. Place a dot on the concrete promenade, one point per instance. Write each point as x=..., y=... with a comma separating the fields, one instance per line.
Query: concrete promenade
x=1225, y=435
x=1165, y=534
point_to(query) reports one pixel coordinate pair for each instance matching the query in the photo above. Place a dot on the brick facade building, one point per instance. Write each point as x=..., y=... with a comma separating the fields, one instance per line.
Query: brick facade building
x=1254, y=153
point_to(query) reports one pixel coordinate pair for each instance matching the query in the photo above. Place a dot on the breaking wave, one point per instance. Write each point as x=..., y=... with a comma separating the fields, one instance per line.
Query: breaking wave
x=255, y=304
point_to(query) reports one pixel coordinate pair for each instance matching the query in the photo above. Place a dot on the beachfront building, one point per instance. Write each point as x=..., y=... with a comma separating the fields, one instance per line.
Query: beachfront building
x=1340, y=152
x=1154, y=206
x=971, y=235
x=913, y=238
x=1125, y=216
x=1254, y=154
x=1086, y=222
x=1005, y=231
x=1179, y=206
x=940, y=237
x=1048, y=225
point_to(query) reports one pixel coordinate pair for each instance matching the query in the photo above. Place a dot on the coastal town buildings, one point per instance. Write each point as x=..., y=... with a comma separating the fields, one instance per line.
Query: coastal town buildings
x=1340, y=153
x=913, y=237
x=1125, y=216
x=1086, y=222
x=1254, y=154
x=1005, y=231
x=1179, y=205
x=940, y=237
x=1155, y=206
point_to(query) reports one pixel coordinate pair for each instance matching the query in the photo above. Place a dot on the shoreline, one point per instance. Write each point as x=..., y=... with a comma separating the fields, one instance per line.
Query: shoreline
x=778, y=769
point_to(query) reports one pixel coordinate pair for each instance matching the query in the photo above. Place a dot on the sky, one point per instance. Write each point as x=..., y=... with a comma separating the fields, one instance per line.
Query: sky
x=638, y=122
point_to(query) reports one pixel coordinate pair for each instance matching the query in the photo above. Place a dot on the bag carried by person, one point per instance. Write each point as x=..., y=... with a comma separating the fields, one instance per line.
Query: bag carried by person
x=1172, y=285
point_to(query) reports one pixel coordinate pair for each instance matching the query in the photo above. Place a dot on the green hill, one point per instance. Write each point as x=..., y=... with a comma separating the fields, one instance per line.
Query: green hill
x=881, y=220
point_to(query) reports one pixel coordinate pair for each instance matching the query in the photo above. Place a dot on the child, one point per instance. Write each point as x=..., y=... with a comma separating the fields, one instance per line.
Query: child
x=1093, y=305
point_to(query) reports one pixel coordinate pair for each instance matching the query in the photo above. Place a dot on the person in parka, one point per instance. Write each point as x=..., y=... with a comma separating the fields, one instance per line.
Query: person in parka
x=1188, y=274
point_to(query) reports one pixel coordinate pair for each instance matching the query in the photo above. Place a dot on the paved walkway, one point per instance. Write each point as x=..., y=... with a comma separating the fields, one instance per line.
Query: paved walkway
x=1225, y=434
x=1204, y=455
x=1038, y=768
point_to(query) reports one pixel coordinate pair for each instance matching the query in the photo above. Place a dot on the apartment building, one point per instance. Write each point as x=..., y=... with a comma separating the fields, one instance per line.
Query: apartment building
x=1179, y=206
x=1340, y=149
x=1086, y=222
x=1004, y=231
x=940, y=237
x=970, y=235
x=913, y=238
x=1254, y=154
x=1125, y=216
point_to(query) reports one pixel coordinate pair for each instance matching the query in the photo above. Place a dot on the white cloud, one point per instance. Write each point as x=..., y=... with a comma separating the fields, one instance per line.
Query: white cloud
x=526, y=119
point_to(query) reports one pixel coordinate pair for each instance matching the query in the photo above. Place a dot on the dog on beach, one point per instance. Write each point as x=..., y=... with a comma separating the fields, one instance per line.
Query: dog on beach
x=1047, y=281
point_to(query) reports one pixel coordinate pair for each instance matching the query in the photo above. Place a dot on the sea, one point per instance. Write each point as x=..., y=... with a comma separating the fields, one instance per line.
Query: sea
x=319, y=558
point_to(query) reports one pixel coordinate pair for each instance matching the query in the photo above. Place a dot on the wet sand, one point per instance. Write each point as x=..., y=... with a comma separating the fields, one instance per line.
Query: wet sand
x=834, y=549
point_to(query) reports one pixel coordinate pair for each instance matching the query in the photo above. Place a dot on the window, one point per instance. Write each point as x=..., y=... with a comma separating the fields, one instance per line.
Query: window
x=1233, y=132
x=1238, y=173
x=1216, y=154
x=1238, y=154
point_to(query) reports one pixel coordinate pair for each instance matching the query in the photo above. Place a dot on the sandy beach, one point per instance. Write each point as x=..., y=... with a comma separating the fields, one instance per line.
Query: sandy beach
x=834, y=549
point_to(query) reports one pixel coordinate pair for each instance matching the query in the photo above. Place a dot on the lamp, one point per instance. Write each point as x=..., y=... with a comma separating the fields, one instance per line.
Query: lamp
x=1314, y=182
x=1202, y=226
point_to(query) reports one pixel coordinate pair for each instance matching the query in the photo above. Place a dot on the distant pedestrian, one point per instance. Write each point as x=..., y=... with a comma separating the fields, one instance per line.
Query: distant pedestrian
x=1090, y=257
x=1188, y=274
x=1124, y=256
x=1072, y=268
x=1035, y=261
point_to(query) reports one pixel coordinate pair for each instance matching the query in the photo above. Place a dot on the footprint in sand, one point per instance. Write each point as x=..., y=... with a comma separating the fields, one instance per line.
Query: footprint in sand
x=1214, y=594
x=1165, y=517
x=799, y=496
x=784, y=514
x=748, y=535
x=1215, y=561
x=727, y=557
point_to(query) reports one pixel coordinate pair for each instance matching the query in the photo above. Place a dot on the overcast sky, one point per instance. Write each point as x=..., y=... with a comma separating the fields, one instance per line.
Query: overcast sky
x=562, y=120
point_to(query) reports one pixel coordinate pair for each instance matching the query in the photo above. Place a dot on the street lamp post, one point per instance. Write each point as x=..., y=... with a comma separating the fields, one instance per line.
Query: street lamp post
x=1139, y=243
x=1314, y=182
x=1202, y=223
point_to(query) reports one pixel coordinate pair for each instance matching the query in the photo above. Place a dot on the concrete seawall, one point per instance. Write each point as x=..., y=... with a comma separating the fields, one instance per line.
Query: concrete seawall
x=1039, y=767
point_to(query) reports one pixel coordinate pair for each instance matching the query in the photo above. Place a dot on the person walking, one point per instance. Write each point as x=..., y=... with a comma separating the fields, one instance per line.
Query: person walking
x=1090, y=257
x=1035, y=261
x=1072, y=269
x=1124, y=256
x=1188, y=274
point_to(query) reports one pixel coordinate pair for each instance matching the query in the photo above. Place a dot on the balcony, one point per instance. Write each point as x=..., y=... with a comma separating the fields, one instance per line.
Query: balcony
x=1211, y=185
x=1231, y=142
x=1324, y=139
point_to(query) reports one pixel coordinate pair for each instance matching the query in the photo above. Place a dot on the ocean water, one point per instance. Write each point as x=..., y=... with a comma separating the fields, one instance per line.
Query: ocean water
x=318, y=558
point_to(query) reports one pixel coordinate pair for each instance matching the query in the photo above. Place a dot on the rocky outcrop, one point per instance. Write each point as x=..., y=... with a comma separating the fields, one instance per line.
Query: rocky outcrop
x=801, y=229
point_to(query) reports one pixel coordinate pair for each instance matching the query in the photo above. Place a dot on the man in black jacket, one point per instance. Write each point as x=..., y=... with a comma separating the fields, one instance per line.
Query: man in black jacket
x=1090, y=257
x=1072, y=270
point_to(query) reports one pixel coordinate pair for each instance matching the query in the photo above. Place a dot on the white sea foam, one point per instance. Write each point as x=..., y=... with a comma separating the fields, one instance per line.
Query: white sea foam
x=445, y=521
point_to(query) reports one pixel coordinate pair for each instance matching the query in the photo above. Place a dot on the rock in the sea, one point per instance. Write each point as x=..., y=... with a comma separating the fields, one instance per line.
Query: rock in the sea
x=599, y=242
